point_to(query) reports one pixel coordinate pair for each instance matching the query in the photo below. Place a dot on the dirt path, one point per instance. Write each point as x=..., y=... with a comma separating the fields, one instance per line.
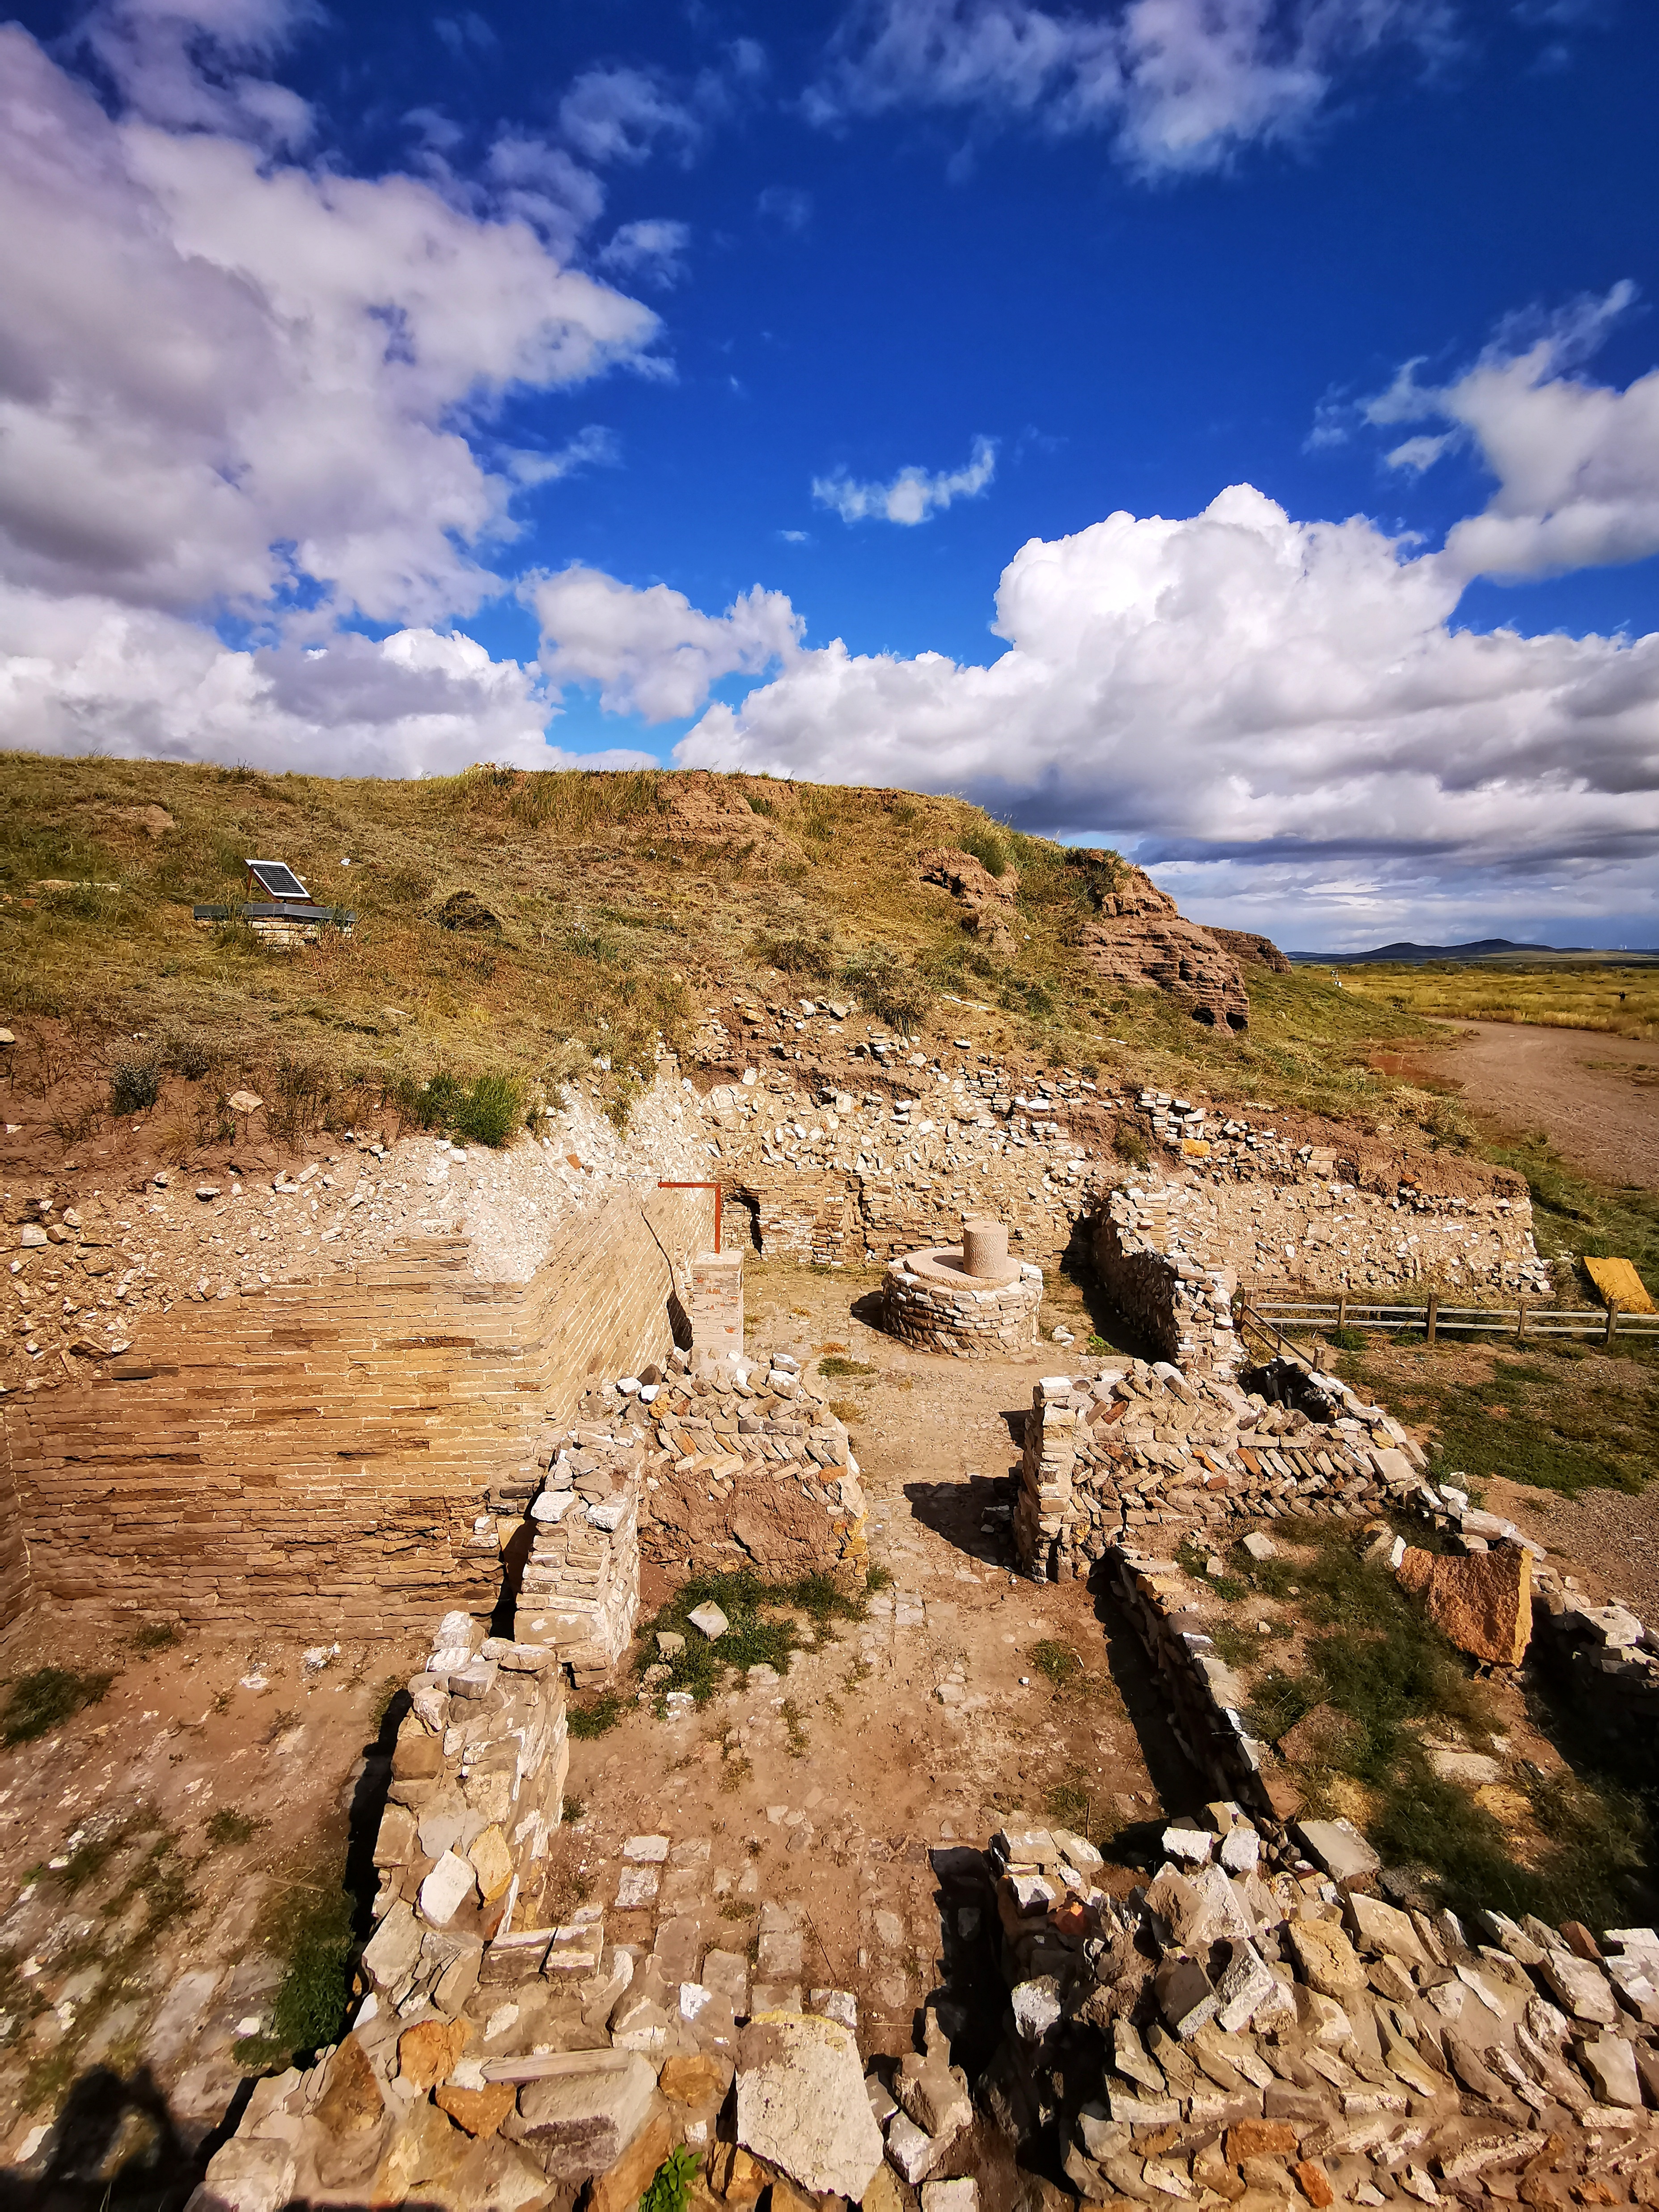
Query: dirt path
x=820, y=1794
x=1595, y=1097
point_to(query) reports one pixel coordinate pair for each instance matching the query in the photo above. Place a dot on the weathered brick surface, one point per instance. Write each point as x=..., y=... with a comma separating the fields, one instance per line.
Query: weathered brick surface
x=313, y=1457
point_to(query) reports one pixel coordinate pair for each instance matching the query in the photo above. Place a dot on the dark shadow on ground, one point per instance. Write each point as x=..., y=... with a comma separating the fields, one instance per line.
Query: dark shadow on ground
x=116, y=2145
x=1180, y=1786
x=960, y=1510
x=1118, y=1334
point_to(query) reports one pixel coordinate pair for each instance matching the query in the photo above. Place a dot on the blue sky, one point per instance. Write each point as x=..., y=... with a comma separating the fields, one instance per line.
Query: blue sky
x=704, y=263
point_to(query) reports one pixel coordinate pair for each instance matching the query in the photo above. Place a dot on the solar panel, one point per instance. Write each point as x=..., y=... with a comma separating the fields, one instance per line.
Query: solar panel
x=277, y=878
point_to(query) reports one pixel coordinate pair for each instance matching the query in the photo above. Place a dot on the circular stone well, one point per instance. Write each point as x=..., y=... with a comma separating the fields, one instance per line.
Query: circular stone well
x=969, y=1299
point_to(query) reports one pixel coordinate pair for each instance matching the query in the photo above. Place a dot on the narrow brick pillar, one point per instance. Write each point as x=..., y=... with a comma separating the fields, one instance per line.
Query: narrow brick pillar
x=717, y=1302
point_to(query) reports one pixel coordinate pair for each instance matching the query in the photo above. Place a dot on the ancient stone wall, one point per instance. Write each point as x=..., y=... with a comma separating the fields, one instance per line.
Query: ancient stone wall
x=319, y=1457
x=1113, y=1457
x=1173, y=1294
x=841, y=1179
x=1306, y=1226
x=744, y=1465
x=579, y=1592
x=477, y=1787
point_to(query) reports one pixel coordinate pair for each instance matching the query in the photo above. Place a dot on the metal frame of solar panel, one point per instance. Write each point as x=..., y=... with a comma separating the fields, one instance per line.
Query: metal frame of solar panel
x=278, y=881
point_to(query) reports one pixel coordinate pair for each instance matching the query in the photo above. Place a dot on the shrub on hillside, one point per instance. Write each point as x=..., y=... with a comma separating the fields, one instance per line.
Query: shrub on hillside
x=490, y=1110
x=888, y=986
x=793, y=952
x=988, y=847
x=135, y=1084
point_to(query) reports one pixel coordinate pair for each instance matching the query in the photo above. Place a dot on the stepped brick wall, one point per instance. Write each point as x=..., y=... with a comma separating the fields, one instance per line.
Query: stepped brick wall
x=316, y=1457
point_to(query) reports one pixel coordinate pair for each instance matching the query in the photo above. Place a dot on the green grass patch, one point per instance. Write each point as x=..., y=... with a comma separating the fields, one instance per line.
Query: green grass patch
x=762, y=1632
x=1240, y=1646
x=837, y=1368
x=1194, y=1557
x=1058, y=1661
x=307, y=1923
x=1069, y=1804
x=226, y=1826
x=595, y=1716
x=47, y=1698
x=1573, y=1215
x=1526, y=1424
x=156, y=1636
x=1382, y=1666
x=1561, y=1416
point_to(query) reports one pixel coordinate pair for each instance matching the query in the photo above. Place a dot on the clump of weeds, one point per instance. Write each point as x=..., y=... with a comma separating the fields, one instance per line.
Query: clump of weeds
x=47, y=1698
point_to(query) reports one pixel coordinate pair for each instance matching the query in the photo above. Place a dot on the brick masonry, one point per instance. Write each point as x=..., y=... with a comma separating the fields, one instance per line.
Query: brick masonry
x=313, y=1457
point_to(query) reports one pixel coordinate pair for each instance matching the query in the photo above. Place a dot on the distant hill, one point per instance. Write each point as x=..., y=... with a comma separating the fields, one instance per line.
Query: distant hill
x=1410, y=955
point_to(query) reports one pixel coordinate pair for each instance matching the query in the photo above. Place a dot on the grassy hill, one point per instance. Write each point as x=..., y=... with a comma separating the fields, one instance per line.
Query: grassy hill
x=516, y=927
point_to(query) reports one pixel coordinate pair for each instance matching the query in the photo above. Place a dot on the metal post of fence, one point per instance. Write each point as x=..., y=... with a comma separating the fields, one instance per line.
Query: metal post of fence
x=1612, y=1321
x=1342, y=1311
x=1521, y=1317
x=1432, y=1316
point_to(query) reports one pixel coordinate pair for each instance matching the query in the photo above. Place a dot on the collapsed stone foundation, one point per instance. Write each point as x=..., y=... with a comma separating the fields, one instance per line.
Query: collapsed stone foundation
x=1114, y=1456
x=1276, y=2018
x=722, y=1463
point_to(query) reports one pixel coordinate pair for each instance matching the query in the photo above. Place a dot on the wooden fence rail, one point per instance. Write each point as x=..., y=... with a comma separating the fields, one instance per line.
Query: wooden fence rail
x=1271, y=1315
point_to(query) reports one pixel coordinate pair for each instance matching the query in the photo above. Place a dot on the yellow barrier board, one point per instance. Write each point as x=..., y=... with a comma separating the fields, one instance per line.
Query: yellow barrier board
x=1620, y=1285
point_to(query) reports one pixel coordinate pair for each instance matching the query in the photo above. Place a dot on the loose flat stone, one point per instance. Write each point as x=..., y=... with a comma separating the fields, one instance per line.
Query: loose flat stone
x=911, y=2150
x=774, y=1996
x=801, y=2103
x=1339, y=1848
x=638, y=1886
x=646, y=1851
x=709, y=1620
x=579, y=2121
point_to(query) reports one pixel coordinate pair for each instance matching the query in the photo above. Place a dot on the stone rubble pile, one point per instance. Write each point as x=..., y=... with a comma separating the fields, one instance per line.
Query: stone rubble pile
x=477, y=1787
x=541, y=2060
x=1110, y=1455
x=1274, y=2018
x=730, y=1462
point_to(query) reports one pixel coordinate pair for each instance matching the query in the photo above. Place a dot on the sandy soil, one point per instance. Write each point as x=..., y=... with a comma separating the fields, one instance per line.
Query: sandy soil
x=150, y=1948
x=1595, y=1097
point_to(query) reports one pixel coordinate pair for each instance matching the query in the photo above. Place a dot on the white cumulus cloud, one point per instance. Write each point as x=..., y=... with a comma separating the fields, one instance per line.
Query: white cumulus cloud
x=652, y=652
x=1178, y=84
x=1577, y=463
x=1238, y=689
x=653, y=249
x=83, y=675
x=221, y=375
x=618, y=114
x=912, y=496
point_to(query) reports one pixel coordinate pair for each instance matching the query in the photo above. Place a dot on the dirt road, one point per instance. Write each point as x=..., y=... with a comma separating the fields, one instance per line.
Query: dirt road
x=1596, y=1098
